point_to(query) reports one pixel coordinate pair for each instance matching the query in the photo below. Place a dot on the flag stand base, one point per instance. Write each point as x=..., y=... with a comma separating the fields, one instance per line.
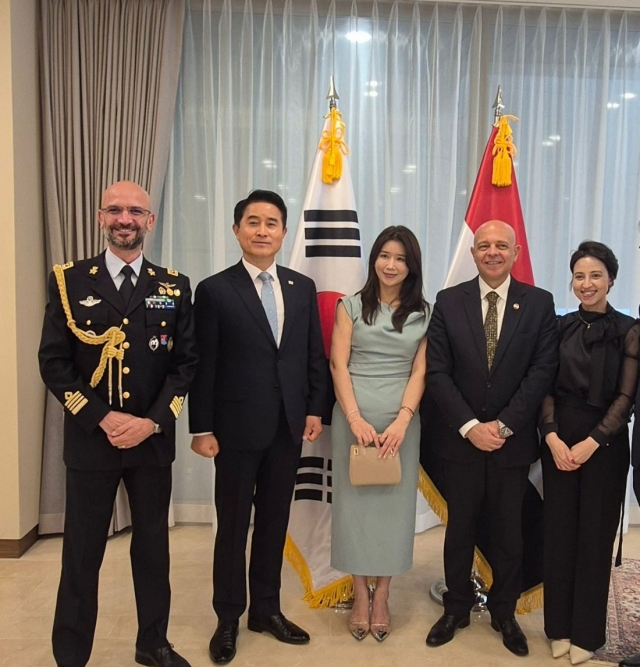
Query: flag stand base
x=439, y=587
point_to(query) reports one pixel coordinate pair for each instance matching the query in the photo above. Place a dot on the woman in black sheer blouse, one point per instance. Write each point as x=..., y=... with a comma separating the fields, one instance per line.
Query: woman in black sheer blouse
x=585, y=455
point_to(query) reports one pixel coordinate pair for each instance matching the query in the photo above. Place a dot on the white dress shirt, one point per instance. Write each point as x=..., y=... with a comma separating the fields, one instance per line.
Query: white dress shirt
x=254, y=272
x=502, y=291
x=114, y=267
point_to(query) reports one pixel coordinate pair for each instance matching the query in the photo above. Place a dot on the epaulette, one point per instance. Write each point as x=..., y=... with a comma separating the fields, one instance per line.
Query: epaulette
x=66, y=266
x=172, y=272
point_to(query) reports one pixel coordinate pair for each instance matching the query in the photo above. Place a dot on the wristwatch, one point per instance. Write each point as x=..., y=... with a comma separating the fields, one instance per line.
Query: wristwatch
x=505, y=431
x=156, y=428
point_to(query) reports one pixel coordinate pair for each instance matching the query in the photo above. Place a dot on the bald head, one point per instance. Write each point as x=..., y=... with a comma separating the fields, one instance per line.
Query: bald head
x=125, y=218
x=495, y=251
x=126, y=189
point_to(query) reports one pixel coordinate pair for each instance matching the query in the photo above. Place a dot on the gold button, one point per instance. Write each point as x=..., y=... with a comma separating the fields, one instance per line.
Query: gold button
x=125, y=345
x=125, y=321
x=163, y=324
x=88, y=322
x=125, y=370
x=126, y=394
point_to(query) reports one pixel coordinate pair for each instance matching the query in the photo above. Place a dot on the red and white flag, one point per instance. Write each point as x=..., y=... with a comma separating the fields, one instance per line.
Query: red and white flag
x=328, y=249
x=491, y=202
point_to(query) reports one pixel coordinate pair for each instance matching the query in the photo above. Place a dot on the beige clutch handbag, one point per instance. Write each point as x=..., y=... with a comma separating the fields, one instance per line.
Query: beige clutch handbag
x=366, y=469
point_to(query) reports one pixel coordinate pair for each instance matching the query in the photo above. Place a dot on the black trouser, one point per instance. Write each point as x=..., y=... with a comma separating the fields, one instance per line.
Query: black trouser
x=581, y=517
x=470, y=487
x=89, y=506
x=265, y=478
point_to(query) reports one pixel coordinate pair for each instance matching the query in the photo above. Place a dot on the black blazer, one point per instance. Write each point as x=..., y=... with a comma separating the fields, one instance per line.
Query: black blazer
x=243, y=377
x=158, y=365
x=463, y=388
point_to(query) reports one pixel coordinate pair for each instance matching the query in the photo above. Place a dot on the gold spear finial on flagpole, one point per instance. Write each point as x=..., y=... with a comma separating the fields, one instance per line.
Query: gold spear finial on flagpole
x=332, y=95
x=498, y=106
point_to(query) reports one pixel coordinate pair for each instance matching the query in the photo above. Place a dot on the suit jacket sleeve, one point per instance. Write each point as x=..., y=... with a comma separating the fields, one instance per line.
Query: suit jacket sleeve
x=201, y=399
x=440, y=383
x=318, y=369
x=184, y=359
x=58, y=370
x=538, y=381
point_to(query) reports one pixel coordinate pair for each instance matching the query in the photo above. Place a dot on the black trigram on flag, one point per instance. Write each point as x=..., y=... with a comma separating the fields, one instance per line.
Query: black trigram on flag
x=331, y=233
x=313, y=481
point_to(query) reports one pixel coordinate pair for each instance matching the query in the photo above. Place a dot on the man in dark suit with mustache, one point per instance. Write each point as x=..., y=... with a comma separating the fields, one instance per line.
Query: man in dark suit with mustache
x=258, y=392
x=491, y=358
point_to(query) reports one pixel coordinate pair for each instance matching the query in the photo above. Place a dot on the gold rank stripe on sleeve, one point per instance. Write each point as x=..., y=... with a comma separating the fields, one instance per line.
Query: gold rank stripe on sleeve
x=176, y=405
x=74, y=402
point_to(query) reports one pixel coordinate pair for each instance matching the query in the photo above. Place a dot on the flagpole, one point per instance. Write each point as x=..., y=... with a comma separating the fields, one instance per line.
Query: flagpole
x=480, y=590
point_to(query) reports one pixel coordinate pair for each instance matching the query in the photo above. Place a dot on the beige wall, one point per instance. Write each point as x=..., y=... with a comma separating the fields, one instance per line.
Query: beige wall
x=22, y=296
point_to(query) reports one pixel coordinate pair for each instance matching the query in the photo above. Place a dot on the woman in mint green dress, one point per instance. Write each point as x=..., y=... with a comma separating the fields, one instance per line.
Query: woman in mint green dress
x=378, y=364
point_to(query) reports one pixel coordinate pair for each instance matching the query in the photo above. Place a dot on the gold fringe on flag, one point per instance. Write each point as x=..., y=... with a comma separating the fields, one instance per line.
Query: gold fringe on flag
x=504, y=151
x=329, y=595
x=529, y=600
x=333, y=144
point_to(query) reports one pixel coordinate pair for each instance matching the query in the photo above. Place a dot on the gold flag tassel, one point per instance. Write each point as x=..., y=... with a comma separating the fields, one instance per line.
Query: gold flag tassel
x=334, y=146
x=329, y=595
x=504, y=151
x=112, y=339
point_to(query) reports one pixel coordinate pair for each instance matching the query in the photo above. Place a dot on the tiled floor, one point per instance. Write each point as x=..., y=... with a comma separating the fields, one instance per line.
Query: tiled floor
x=28, y=588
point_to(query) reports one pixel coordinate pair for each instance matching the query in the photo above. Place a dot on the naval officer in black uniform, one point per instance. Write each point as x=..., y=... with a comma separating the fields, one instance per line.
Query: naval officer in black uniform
x=118, y=351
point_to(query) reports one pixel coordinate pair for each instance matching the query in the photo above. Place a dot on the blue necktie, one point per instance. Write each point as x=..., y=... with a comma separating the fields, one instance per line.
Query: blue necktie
x=269, y=303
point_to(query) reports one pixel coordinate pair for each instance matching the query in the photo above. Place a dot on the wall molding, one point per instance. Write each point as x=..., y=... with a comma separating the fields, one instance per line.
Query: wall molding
x=16, y=548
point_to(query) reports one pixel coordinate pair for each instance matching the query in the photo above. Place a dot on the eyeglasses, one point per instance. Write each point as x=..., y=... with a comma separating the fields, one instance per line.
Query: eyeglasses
x=133, y=211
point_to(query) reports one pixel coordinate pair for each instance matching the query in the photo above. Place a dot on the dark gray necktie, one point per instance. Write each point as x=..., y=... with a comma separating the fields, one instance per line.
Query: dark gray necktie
x=126, y=289
x=491, y=326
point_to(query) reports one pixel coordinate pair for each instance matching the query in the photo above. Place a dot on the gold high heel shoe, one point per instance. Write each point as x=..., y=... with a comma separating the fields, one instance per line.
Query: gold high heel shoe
x=359, y=629
x=381, y=631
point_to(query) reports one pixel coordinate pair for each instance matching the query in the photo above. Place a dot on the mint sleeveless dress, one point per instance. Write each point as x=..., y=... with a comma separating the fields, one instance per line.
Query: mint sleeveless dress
x=372, y=527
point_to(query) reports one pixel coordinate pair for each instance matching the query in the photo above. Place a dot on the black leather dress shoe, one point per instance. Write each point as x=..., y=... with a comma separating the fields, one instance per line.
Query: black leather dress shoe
x=222, y=647
x=444, y=629
x=281, y=628
x=631, y=661
x=512, y=636
x=161, y=657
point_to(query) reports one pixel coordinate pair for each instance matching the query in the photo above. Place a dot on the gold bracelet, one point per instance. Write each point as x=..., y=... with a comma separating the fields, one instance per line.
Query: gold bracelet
x=409, y=410
x=352, y=413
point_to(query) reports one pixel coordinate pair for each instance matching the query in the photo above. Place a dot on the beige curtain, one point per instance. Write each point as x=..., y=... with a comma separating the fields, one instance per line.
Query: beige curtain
x=109, y=76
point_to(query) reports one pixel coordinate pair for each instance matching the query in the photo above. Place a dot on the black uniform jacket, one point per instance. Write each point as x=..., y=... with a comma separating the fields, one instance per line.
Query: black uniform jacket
x=243, y=377
x=158, y=364
x=522, y=374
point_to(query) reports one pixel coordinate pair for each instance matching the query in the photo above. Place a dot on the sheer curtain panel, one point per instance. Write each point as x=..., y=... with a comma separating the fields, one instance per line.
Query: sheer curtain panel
x=109, y=72
x=416, y=84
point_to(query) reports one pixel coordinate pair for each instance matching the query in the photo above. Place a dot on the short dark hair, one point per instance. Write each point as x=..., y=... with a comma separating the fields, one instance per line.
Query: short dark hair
x=598, y=251
x=411, y=299
x=266, y=196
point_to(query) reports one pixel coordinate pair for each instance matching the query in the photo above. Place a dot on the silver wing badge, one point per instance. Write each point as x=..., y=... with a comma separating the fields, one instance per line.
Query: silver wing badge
x=90, y=301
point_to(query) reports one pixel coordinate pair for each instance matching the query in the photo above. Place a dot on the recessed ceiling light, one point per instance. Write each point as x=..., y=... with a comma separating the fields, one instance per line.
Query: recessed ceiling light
x=358, y=36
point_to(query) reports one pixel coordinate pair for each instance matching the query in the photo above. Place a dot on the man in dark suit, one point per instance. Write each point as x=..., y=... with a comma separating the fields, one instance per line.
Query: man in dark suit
x=258, y=392
x=634, y=660
x=118, y=351
x=491, y=358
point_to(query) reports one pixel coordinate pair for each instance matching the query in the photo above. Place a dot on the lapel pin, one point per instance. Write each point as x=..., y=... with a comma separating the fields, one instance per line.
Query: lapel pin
x=90, y=301
x=93, y=270
x=290, y=282
x=516, y=306
x=154, y=343
x=151, y=272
